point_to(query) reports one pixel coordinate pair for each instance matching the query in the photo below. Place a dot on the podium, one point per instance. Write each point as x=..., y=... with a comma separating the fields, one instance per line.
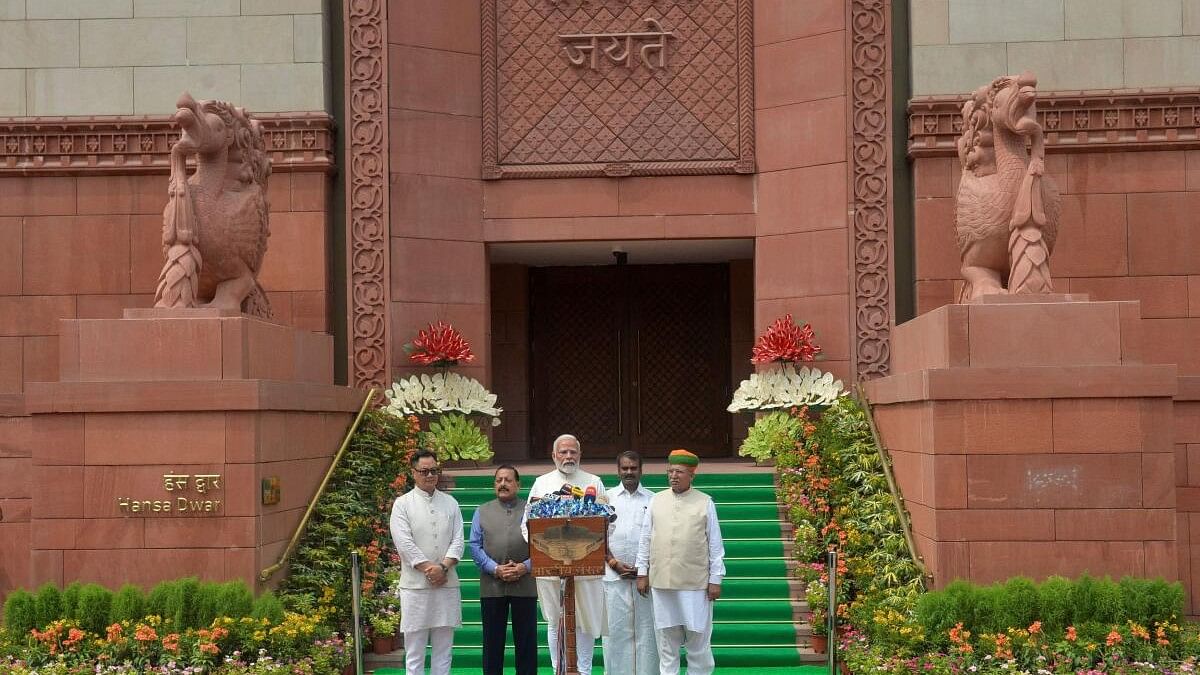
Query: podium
x=568, y=547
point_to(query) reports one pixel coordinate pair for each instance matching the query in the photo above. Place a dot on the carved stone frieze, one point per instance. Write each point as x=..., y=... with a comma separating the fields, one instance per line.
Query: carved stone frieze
x=1088, y=120
x=39, y=146
x=366, y=191
x=871, y=184
x=617, y=87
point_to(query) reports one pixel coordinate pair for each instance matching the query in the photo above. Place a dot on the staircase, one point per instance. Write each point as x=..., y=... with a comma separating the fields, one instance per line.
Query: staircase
x=755, y=625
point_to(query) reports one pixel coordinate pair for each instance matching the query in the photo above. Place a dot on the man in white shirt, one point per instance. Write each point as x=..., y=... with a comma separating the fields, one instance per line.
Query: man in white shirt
x=589, y=591
x=629, y=647
x=681, y=561
x=427, y=528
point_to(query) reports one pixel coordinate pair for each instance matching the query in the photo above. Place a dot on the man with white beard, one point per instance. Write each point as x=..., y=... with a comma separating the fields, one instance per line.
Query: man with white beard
x=590, y=621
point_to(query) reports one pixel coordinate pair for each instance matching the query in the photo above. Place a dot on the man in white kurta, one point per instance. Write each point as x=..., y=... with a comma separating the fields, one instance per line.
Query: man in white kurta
x=629, y=647
x=589, y=591
x=427, y=528
x=681, y=562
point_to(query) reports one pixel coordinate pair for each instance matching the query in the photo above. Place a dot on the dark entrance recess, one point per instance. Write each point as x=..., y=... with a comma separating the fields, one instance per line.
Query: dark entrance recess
x=631, y=357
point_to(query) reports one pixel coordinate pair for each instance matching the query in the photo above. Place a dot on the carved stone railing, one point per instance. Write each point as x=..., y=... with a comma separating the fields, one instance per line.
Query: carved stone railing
x=57, y=146
x=1124, y=119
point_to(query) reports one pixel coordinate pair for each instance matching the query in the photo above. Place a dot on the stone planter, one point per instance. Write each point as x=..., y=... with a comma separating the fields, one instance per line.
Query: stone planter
x=382, y=644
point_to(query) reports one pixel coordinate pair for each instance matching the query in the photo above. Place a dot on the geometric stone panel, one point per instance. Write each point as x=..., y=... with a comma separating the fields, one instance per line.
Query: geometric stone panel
x=617, y=87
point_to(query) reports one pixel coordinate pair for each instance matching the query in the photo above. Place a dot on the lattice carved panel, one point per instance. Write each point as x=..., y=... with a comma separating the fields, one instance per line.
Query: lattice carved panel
x=617, y=87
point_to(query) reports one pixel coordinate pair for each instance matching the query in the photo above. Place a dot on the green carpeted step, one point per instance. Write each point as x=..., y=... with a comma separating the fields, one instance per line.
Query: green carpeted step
x=739, y=659
x=726, y=609
x=725, y=634
x=734, y=567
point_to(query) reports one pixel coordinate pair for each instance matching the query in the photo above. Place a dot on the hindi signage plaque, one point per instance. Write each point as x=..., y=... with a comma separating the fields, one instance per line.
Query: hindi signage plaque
x=566, y=547
x=617, y=87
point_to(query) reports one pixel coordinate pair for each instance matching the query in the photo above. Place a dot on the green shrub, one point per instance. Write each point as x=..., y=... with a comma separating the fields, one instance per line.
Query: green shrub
x=1109, y=607
x=187, y=607
x=236, y=600
x=160, y=599
x=938, y=612
x=127, y=605
x=20, y=612
x=70, y=596
x=95, y=605
x=49, y=605
x=206, y=603
x=1054, y=598
x=771, y=434
x=1083, y=597
x=1017, y=603
x=267, y=606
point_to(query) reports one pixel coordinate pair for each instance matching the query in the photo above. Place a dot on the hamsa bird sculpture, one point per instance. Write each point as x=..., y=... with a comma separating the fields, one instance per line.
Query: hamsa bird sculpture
x=216, y=225
x=1007, y=210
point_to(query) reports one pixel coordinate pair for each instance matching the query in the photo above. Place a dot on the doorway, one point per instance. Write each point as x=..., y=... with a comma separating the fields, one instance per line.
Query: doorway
x=631, y=357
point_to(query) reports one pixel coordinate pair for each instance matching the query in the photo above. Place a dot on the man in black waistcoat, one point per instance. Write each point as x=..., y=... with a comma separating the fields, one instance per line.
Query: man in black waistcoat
x=502, y=554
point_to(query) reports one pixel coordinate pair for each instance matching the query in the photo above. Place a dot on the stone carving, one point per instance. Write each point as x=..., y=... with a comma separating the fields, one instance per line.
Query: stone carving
x=1006, y=216
x=649, y=87
x=366, y=191
x=37, y=146
x=1111, y=119
x=216, y=223
x=870, y=159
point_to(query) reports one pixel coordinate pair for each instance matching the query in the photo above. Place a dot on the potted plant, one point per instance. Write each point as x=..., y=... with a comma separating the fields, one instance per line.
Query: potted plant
x=816, y=595
x=384, y=622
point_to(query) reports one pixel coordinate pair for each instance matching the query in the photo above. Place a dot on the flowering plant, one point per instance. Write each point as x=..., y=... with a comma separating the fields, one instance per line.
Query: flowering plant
x=785, y=341
x=440, y=345
x=786, y=387
x=440, y=393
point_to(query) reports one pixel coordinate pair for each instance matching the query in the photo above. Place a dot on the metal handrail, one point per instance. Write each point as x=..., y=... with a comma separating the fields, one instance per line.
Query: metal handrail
x=893, y=487
x=287, y=552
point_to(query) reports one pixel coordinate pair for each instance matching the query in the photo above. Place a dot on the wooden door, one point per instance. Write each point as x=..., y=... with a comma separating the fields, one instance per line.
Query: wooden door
x=631, y=357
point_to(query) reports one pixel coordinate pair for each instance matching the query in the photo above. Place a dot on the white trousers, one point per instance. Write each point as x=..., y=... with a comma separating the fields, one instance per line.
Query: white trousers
x=589, y=617
x=441, y=639
x=698, y=645
x=630, y=647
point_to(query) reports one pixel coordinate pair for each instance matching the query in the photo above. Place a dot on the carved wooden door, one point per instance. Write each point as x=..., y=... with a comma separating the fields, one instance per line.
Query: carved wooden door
x=631, y=357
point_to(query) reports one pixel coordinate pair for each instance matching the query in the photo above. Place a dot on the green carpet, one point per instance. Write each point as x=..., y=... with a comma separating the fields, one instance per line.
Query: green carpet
x=753, y=626
x=787, y=670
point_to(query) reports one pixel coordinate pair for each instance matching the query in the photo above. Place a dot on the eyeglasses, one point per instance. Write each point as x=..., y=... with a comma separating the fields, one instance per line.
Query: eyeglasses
x=428, y=472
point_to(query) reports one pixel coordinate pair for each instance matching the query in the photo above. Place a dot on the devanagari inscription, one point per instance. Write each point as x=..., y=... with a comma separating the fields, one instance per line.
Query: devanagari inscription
x=585, y=48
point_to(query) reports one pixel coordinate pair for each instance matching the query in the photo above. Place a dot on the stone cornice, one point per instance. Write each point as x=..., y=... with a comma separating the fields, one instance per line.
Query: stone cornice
x=1075, y=121
x=66, y=146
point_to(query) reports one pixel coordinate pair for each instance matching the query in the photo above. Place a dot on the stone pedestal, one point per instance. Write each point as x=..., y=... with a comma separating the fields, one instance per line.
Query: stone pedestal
x=152, y=407
x=1028, y=438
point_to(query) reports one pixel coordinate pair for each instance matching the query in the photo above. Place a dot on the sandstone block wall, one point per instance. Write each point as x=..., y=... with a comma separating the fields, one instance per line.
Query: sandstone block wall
x=133, y=57
x=1127, y=233
x=1071, y=44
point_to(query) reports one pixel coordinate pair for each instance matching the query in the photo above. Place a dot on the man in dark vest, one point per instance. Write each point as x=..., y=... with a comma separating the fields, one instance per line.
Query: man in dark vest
x=502, y=554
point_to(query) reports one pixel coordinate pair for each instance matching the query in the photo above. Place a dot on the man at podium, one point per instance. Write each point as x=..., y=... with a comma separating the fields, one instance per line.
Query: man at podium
x=589, y=591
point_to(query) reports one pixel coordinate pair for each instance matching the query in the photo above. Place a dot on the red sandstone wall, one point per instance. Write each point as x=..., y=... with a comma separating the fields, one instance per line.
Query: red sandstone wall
x=1128, y=232
x=88, y=247
x=438, y=261
x=802, y=253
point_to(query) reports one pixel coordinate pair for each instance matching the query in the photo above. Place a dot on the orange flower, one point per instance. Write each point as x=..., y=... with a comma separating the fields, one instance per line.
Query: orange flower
x=1113, y=638
x=1071, y=636
x=171, y=642
x=209, y=648
x=114, y=632
x=145, y=633
x=74, y=636
x=1035, y=627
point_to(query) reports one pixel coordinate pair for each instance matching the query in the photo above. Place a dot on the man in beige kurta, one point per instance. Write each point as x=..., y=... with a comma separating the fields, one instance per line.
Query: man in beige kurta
x=681, y=562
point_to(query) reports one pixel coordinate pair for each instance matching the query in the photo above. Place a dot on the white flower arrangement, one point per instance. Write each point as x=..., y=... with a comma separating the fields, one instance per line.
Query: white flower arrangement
x=440, y=393
x=786, y=387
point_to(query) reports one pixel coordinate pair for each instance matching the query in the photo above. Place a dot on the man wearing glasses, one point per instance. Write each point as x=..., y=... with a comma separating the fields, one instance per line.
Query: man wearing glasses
x=427, y=528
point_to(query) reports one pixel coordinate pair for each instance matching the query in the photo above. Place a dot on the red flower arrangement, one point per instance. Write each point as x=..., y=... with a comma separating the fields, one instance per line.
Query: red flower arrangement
x=785, y=341
x=441, y=345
